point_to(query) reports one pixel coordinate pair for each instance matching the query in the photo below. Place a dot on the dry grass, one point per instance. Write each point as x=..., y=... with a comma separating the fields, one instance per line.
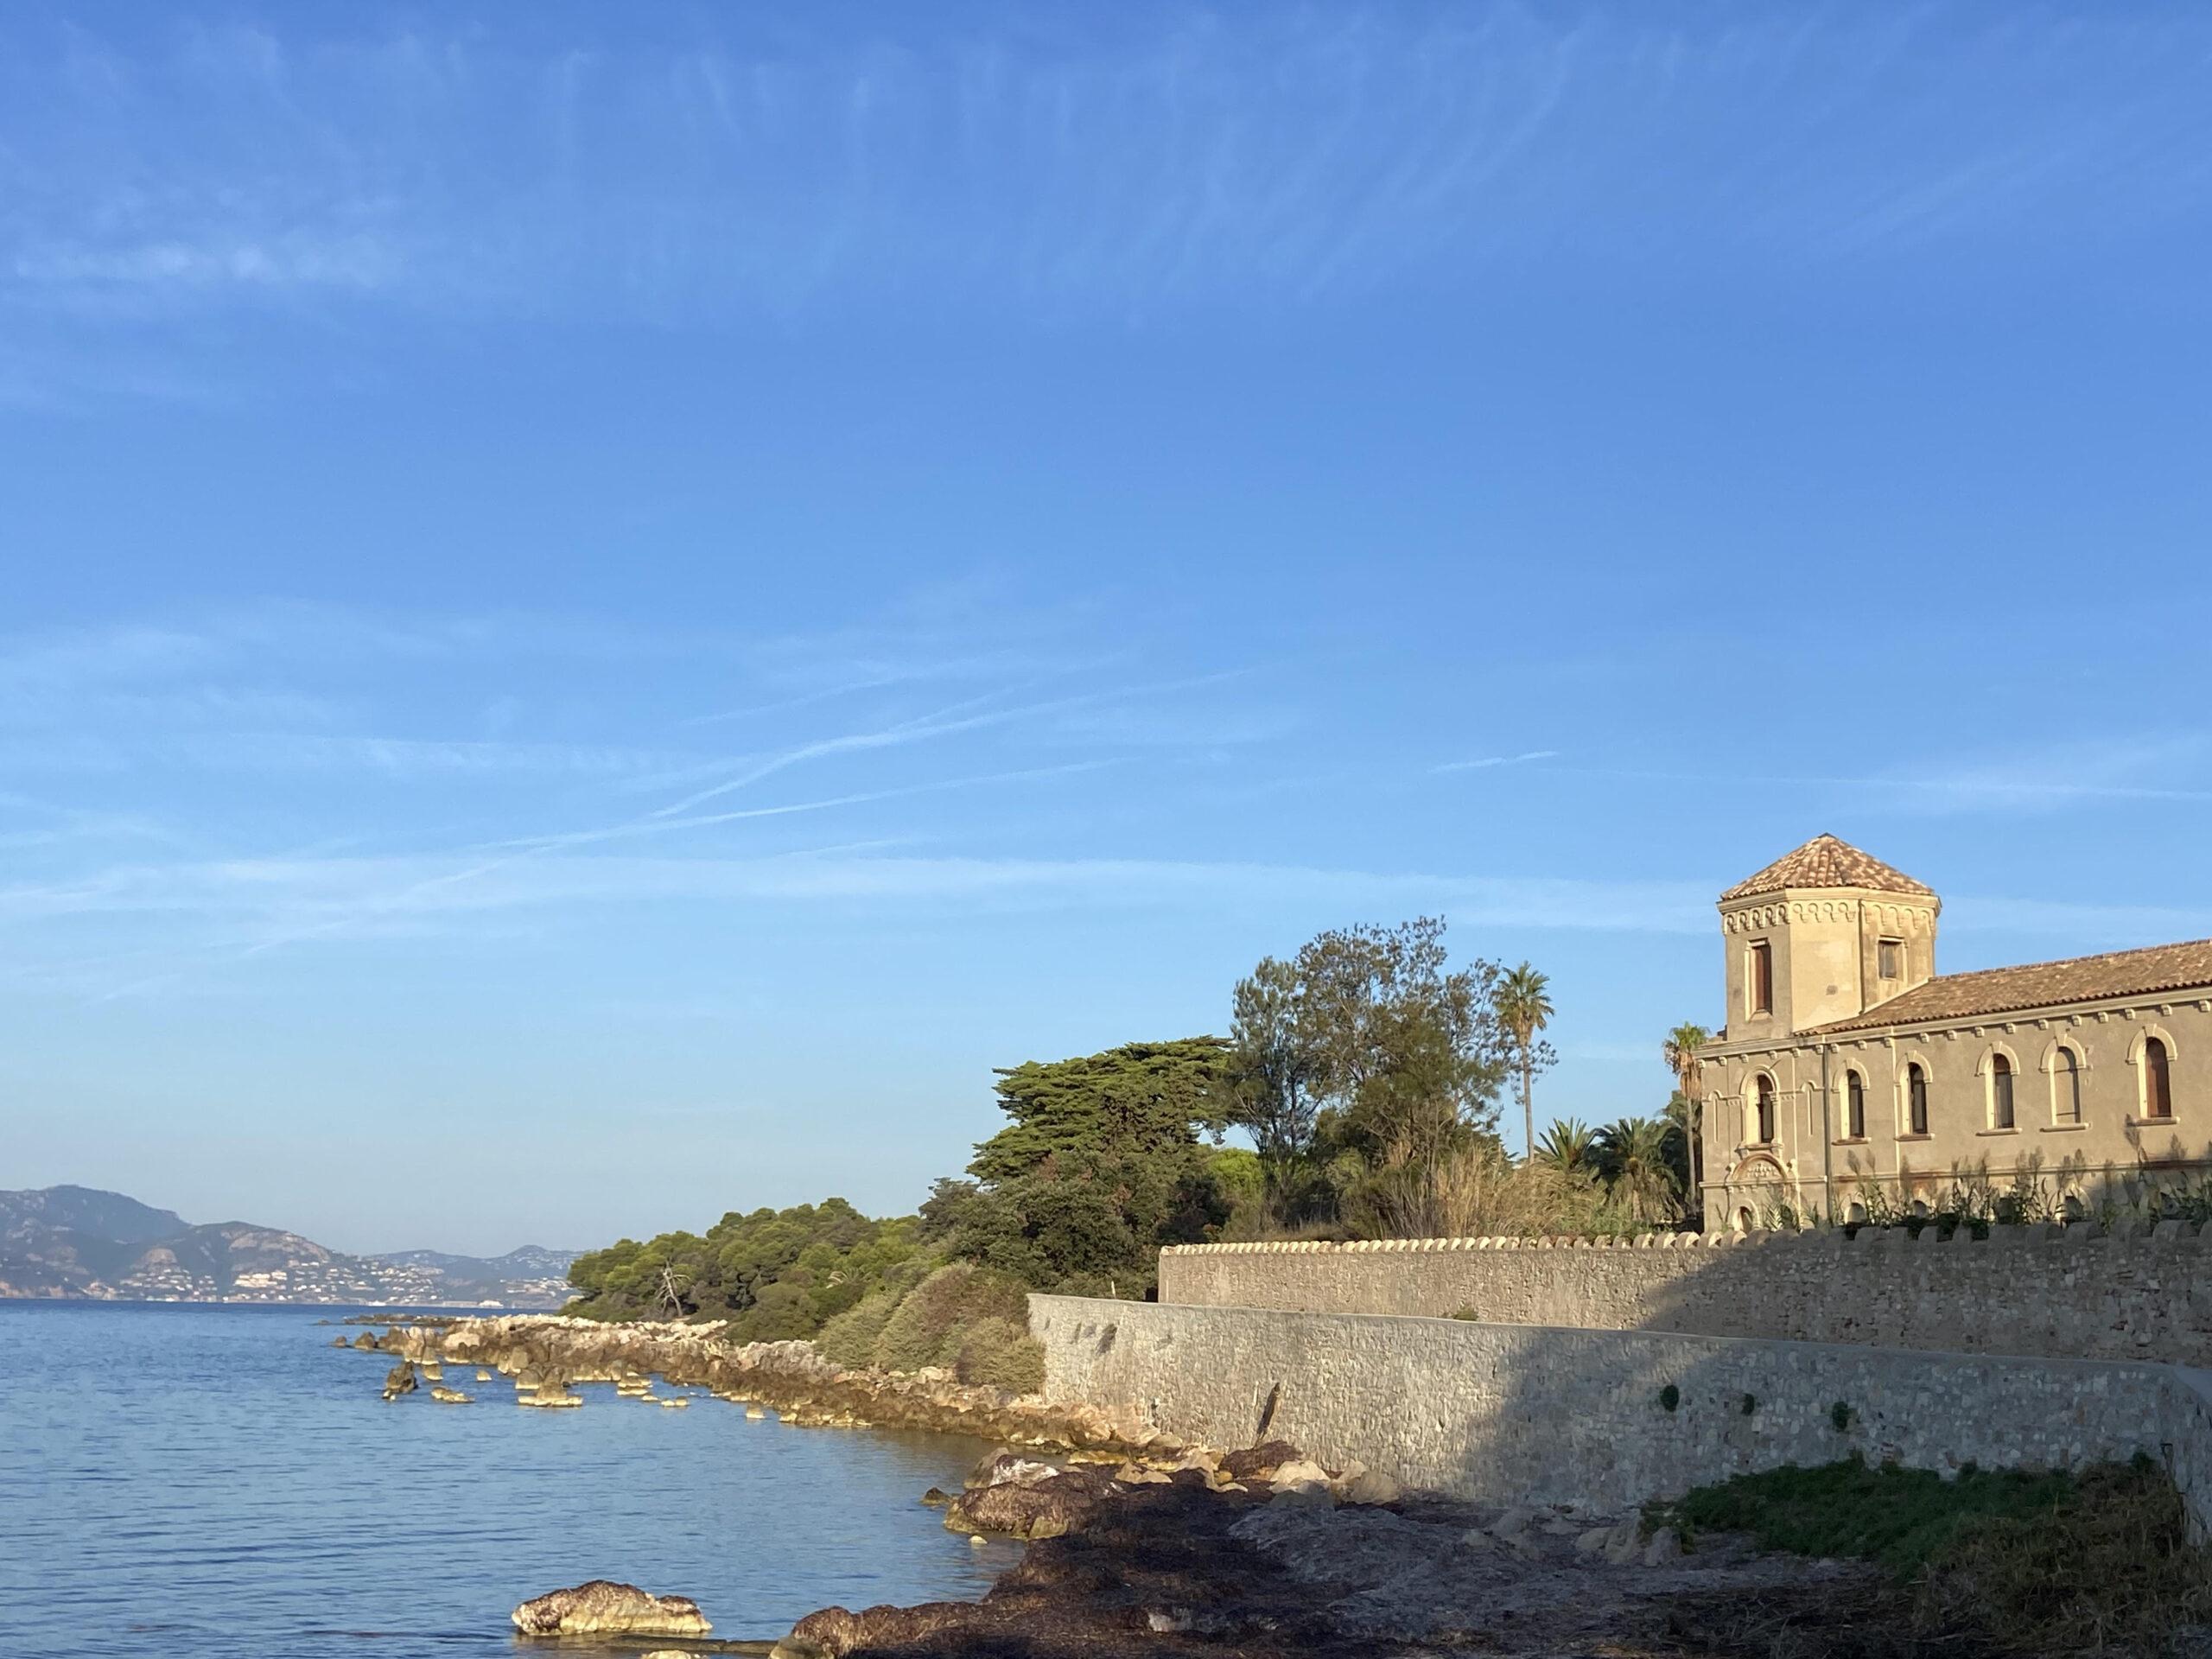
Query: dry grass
x=1474, y=1193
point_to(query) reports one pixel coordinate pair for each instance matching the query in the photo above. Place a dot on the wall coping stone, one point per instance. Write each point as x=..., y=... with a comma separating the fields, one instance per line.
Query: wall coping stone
x=2126, y=1232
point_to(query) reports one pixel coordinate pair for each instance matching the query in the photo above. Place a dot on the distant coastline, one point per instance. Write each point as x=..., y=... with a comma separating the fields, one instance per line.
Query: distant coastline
x=73, y=1243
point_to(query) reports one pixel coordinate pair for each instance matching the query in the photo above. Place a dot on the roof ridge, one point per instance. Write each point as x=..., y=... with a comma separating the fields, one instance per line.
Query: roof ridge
x=1825, y=862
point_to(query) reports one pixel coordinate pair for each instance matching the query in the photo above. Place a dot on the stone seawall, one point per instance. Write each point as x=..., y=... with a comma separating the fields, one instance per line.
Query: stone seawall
x=2070, y=1293
x=1516, y=1413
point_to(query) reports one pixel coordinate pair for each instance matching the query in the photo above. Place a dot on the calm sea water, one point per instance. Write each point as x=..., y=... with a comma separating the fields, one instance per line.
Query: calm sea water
x=205, y=1482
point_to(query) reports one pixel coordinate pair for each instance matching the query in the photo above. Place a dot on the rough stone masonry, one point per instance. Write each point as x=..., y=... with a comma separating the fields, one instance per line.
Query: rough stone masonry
x=1518, y=1414
x=2071, y=1293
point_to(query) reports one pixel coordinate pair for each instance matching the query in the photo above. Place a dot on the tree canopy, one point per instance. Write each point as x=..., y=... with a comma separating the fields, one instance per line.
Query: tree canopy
x=773, y=1273
x=1367, y=1052
x=1101, y=1165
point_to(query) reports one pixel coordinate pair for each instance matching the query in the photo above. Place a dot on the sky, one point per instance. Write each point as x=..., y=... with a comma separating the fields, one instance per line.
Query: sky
x=606, y=607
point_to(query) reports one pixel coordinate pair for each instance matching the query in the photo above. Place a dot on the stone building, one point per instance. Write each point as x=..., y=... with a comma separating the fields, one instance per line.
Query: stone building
x=1851, y=1076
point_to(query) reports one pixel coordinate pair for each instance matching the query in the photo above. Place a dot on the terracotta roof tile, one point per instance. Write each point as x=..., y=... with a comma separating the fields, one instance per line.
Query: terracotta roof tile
x=2042, y=984
x=1825, y=862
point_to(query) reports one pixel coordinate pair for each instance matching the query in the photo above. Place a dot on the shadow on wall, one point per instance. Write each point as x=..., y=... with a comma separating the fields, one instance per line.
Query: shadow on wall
x=1603, y=1421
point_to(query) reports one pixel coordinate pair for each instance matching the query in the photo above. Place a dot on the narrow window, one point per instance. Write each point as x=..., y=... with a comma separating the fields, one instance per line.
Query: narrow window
x=1854, y=1090
x=2158, y=1085
x=1762, y=976
x=1766, y=1111
x=2066, y=1086
x=1916, y=1090
x=1889, y=958
x=2000, y=1093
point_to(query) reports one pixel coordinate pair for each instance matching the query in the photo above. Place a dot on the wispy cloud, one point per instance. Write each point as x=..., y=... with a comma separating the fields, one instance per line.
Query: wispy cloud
x=1178, y=155
x=1497, y=760
x=371, y=893
x=953, y=721
x=394, y=757
x=2169, y=768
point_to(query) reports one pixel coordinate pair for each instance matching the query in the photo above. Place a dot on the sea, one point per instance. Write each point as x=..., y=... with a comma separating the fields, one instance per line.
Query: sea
x=184, y=1481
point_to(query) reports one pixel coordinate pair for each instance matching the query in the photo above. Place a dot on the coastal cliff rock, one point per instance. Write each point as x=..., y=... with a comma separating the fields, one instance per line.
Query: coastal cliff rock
x=603, y=1607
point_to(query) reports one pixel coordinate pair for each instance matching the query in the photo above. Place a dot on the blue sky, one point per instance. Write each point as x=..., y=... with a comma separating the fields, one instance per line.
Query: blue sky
x=606, y=607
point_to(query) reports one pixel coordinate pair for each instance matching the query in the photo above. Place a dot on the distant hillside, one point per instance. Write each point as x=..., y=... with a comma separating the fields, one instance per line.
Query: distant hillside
x=73, y=1242
x=84, y=1210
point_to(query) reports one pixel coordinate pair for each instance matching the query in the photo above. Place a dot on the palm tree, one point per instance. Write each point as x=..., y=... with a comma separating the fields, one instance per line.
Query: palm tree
x=1681, y=1052
x=1568, y=1144
x=1632, y=1156
x=1526, y=1009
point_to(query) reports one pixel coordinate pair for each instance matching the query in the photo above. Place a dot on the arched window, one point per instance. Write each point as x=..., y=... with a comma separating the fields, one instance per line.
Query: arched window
x=2158, y=1082
x=1744, y=1222
x=1766, y=1111
x=2000, y=1093
x=1916, y=1094
x=2065, y=1087
x=1854, y=1117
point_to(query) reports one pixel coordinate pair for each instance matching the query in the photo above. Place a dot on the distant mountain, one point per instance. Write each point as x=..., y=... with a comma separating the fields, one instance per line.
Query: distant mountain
x=83, y=1210
x=73, y=1242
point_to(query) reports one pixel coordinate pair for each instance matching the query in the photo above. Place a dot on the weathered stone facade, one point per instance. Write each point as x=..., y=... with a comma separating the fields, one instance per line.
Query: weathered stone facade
x=1602, y=1419
x=1850, y=1078
x=2142, y=1294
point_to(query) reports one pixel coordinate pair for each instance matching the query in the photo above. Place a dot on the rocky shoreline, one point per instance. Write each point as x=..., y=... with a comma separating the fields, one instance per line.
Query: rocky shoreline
x=543, y=1353
x=1261, y=1552
x=1142, y=1545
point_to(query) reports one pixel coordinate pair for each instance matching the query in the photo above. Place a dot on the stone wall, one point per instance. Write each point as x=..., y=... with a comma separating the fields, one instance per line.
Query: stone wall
x=2066, y=1293
x=1519, y=1413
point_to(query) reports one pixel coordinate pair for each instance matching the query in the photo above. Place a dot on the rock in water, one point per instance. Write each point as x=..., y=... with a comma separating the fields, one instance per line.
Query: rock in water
x=603, y=1607
x=399, y=1380
x=1057, y=1504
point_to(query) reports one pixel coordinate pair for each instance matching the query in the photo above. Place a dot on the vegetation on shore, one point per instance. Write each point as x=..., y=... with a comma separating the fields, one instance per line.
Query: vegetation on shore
x=1367, y=1073
x=2052, y=1561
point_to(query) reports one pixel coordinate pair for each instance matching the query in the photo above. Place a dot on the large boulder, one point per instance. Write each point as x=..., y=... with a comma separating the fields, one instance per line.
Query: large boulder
x=1044, y=1508
x=1004, y=1467
x=606, y=1608
x=399, y=1380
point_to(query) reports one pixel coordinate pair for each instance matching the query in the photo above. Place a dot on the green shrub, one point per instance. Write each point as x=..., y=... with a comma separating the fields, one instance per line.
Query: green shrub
x=923, y=1329
x=851, y=1338
x=999, y=1354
